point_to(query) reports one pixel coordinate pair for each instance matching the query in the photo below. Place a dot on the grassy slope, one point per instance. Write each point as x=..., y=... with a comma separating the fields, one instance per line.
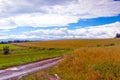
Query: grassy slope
x=23, y=55
x=101, y=62
x=11, y=46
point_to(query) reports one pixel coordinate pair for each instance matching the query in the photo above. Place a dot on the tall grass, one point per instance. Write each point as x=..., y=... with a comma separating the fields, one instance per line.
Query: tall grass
x=101, y=62
x=72, y=44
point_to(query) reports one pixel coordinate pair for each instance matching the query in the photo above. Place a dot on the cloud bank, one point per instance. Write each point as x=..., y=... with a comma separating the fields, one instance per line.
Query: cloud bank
x=103, y=31
x=47, y=13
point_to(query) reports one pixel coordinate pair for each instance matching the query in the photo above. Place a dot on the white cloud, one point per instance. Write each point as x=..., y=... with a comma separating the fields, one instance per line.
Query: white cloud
x=37, y=20
x=103, y=31
x=47, y=13
x=40, y=20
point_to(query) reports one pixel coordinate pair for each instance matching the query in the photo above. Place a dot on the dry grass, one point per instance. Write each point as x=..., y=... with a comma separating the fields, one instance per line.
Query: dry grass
x=72, y=44
x=101, y=62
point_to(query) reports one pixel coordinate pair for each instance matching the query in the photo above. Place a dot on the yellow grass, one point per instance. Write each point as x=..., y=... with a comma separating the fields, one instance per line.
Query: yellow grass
x=91, y=60
x=72, y=44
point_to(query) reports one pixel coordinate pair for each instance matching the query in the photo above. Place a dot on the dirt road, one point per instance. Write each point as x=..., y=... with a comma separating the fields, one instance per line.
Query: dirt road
x=19, y=71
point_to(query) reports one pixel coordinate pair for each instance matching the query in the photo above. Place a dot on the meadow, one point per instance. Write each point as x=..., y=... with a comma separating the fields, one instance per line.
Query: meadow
x=11, y=46
x=72, y=44
x=22, y=55
x=90, y=60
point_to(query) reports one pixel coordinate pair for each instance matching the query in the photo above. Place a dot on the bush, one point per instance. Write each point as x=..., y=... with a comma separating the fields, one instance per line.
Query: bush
x=6, y=50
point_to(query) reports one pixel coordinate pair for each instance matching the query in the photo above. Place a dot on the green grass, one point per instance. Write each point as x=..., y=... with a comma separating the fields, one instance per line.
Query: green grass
x=10, y=46
x=22, y=55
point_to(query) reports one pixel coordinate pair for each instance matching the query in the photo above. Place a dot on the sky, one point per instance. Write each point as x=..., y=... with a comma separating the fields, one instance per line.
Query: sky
x=59, y=19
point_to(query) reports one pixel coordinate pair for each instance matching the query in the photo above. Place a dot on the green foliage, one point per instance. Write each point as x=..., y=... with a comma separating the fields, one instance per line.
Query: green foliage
x=6, y=50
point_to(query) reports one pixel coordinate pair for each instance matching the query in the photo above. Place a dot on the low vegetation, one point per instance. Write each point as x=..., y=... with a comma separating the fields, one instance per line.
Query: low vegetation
x=6, y=50
x=23, y=55
x=91, y=60
x=11, y=46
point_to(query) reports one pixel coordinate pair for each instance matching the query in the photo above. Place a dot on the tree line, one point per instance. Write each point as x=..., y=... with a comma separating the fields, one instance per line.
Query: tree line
x=14, y=41
x=118, y=35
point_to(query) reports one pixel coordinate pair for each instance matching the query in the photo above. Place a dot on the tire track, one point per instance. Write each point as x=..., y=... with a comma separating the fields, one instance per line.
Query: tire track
x=19, y=71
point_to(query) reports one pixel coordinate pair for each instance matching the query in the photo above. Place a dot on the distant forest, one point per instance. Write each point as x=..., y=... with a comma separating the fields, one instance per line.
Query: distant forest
x=19, y=41
x=13, y=41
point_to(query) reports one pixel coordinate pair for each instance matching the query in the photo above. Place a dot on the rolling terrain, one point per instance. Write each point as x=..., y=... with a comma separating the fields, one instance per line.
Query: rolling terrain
x=97, y=59
x=20, y=55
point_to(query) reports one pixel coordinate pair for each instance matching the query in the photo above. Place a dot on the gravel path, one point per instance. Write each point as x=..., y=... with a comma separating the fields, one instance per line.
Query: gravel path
x=19, y=71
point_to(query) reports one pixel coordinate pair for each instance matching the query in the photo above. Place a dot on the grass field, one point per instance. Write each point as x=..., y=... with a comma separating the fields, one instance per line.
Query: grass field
x=23, y=55
x=91, y=60
x=73, y=44
x=11, y=46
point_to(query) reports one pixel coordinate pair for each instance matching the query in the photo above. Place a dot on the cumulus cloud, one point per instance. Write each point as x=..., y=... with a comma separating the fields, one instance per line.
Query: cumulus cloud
x=103, y=31
x=47, y=13
x=37, y=20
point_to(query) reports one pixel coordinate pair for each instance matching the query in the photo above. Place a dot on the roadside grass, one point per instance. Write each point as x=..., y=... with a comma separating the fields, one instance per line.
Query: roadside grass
x=98, y=62
x=23, y=55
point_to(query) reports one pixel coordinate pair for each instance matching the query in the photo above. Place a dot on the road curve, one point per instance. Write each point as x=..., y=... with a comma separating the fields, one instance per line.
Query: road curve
x=19, y=71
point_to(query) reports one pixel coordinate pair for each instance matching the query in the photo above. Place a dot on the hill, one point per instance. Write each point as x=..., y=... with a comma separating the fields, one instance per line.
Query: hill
x=90, y=60
x=72, y=44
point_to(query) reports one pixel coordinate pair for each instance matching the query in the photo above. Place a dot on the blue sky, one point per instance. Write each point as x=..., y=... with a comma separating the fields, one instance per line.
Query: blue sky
x=96, y=21
x=59, y=19
x=80, y=24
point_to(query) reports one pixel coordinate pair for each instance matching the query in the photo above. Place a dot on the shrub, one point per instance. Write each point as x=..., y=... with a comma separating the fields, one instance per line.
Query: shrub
x=6, y=50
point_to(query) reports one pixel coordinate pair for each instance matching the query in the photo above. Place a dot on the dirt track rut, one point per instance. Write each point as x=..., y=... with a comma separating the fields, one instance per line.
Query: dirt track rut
x=19, y=71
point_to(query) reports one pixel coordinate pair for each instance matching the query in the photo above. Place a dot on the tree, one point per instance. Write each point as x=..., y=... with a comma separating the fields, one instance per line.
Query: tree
x=117, y=35
x=6, y=50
